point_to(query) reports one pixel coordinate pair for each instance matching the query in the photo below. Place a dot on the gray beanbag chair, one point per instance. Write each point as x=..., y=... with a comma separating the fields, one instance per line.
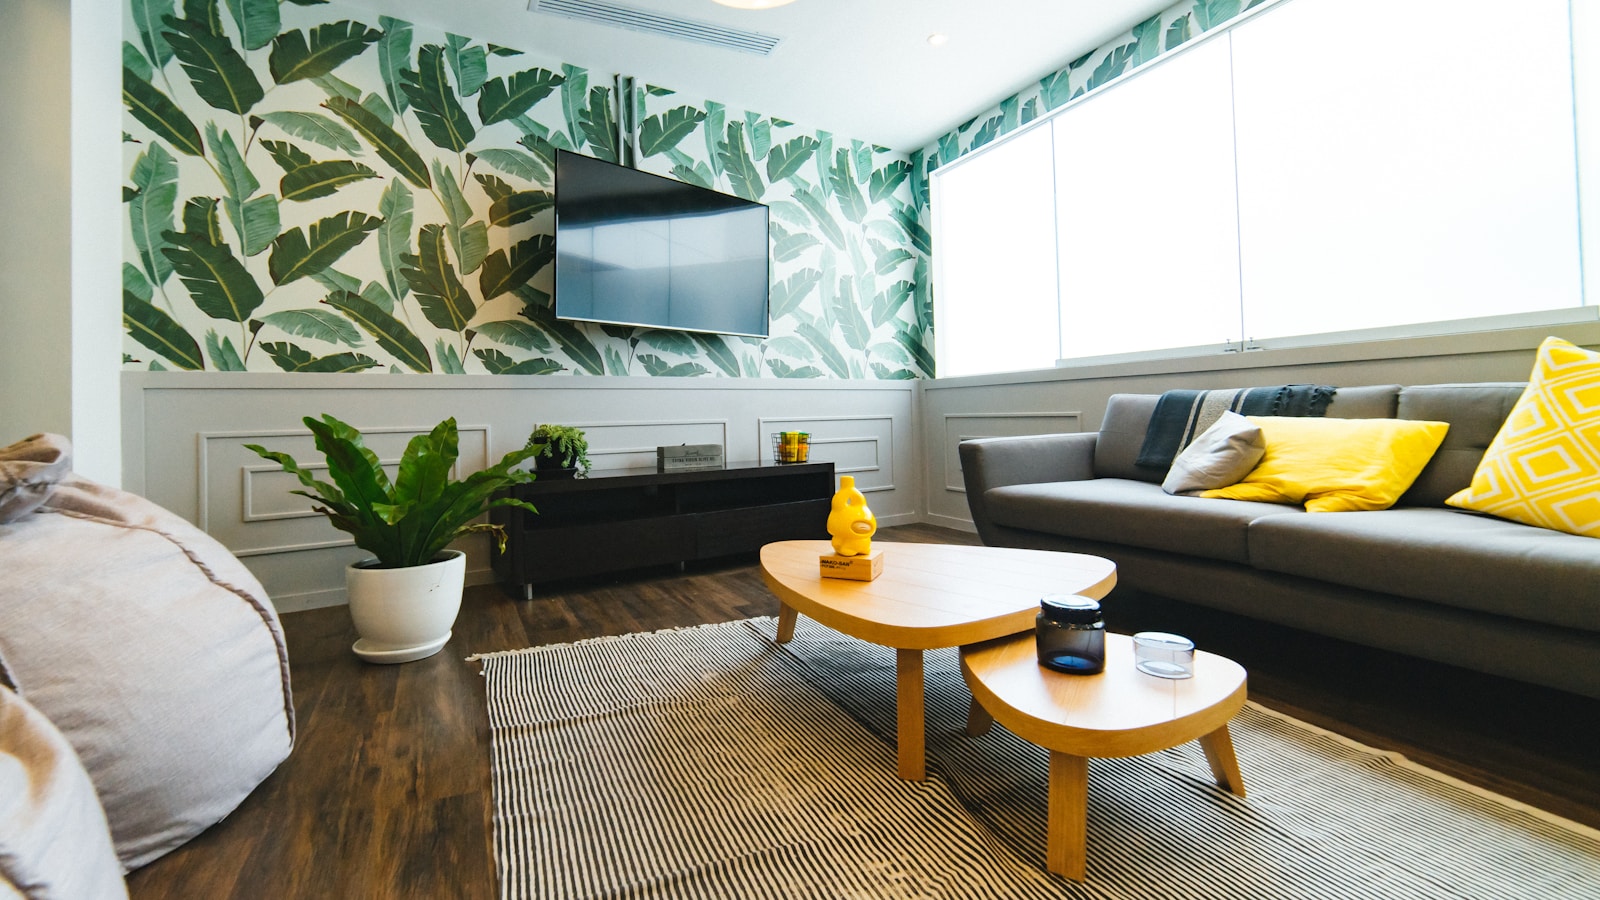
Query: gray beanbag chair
x=145, y=642
x=54, y=843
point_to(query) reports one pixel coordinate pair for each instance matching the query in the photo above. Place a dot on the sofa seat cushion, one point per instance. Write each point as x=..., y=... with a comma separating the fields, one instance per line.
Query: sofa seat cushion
x=1123, y=511
x=1443, y=556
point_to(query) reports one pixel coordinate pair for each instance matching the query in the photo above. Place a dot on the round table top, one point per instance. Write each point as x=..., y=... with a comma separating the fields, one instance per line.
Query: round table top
x=932, y=595
x=1119, y=712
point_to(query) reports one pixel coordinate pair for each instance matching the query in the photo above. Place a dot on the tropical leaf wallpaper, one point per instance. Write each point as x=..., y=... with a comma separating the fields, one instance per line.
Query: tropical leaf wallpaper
x=851, y=283
x=1147, y=40
x=315, y=188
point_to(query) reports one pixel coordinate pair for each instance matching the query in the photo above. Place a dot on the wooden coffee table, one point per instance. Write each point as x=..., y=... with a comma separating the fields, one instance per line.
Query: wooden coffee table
x=929, y=596
x=1120, y=712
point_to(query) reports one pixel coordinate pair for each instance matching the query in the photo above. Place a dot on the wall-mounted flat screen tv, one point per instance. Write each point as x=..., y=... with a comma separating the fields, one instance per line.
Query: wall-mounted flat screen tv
x=634, y=248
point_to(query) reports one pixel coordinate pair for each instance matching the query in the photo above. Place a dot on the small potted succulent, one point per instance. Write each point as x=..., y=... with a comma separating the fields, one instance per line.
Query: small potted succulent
x=560, y=451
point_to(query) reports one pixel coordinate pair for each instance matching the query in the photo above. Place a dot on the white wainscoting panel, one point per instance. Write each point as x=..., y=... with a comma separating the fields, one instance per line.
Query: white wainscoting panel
x=960, y=427
x=184, y=437
x=628, y=445
x=859, y=446
x=247, y=502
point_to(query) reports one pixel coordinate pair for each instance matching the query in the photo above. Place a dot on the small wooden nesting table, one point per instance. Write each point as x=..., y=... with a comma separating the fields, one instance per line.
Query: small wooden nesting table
x=1119, y=712
x=929, y=596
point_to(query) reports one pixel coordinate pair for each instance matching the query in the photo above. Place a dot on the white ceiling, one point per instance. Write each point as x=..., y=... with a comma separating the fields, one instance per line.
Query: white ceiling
x=862, y=69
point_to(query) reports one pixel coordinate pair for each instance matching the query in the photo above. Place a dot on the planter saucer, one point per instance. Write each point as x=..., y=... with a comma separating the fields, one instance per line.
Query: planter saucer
x=404, y=654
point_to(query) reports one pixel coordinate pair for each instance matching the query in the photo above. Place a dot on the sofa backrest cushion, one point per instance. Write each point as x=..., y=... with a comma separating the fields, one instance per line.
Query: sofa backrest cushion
x=1376, y=401
x=1128, y=416
x=1475, y=413
x=1121, y=435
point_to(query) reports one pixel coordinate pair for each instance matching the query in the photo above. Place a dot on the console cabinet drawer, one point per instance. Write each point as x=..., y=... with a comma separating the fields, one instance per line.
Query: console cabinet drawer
x=631, y=518
x=744, y=530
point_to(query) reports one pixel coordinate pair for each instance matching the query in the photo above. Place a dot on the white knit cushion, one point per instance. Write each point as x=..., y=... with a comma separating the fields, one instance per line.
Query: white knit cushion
x=1218, y=457
x=54, y=842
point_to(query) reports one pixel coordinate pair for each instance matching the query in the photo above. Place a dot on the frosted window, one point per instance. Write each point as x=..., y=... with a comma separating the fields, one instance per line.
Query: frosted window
x=1146, y=210
x=1586, y=86
x=1411, y=163
x=1320, y=167
x=995, y=246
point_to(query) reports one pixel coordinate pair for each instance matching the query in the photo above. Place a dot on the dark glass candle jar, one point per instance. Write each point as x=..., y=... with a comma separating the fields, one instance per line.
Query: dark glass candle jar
x=1071, y=634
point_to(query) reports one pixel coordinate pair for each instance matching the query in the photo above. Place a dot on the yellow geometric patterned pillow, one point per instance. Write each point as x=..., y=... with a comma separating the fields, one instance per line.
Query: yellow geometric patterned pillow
x=1543, y=467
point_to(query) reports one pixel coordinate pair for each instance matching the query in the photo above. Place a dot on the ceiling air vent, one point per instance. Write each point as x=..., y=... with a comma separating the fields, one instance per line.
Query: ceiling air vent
x=635, y=19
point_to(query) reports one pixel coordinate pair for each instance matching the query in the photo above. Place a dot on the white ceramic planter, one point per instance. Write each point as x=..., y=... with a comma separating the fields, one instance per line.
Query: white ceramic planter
x=405, y=614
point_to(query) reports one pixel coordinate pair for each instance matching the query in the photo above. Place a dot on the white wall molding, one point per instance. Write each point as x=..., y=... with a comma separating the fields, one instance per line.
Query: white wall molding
x=967, y=426
x=184, y=434
x=631, y=450
x=306, y=455
x=899, y=438
x=868, y=457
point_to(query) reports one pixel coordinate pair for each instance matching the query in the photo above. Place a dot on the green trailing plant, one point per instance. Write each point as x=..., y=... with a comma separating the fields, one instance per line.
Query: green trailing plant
x=563, y=443
x=410, y=521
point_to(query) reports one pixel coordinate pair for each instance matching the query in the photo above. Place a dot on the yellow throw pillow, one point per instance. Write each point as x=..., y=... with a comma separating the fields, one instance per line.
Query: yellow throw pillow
x=1334, y=465
x=1543, y=467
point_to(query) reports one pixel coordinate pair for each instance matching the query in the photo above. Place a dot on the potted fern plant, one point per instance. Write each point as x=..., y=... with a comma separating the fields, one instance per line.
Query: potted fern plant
x=560, y=451
x=404, y=600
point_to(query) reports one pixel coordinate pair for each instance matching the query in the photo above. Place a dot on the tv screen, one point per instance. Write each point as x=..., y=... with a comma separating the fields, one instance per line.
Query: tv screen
x=637, y=249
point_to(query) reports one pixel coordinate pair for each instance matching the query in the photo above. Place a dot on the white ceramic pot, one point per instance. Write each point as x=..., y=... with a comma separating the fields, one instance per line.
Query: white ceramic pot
x=405, y=614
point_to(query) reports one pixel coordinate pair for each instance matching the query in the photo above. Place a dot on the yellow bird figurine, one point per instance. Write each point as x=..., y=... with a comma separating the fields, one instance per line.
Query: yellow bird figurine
x=851, y=523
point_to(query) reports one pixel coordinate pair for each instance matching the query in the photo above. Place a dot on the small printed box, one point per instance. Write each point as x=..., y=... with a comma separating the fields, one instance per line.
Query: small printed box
x=688, y=456
x=855, y=568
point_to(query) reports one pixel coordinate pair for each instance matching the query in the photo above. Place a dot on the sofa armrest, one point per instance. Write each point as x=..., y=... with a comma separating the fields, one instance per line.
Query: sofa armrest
x=996, y=462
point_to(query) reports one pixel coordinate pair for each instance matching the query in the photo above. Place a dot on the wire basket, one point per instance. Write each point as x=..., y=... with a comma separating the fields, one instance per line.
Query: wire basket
x=791, y=447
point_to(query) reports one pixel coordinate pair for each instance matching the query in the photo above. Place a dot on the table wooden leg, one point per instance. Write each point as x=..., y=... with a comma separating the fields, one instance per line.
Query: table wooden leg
x=1224, y=764
x=978, y=720
x=909, y=705
x=1066, y=847
x=786, y=619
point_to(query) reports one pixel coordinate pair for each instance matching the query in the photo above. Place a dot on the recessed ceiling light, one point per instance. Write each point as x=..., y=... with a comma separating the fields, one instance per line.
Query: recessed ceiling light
x=754, y=4
x=938, y=40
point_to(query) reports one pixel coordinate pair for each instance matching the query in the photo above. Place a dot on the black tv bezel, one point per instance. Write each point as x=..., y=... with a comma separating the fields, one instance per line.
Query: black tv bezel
x=766, y=299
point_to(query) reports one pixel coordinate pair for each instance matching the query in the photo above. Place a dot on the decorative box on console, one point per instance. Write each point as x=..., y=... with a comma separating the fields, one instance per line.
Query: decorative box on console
x=688, y=456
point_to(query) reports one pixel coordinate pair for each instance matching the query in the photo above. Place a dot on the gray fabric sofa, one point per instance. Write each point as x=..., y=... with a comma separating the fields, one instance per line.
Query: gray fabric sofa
x=1420, y=578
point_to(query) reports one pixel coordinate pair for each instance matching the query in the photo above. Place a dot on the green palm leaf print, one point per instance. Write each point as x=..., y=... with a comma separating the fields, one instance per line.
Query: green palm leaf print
x=158, y=331
x=391, y=334
x=297, y=57
x=217, y=282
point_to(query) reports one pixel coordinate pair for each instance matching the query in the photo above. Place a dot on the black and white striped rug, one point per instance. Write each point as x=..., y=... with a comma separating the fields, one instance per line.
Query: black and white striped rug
x=710, y=763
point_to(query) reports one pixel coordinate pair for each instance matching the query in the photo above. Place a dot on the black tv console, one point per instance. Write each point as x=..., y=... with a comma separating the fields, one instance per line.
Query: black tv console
x=629, y=518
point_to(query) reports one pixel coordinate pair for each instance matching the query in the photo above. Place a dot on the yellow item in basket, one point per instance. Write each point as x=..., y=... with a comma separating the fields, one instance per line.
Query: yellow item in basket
x=851, y=523
x=791, y=446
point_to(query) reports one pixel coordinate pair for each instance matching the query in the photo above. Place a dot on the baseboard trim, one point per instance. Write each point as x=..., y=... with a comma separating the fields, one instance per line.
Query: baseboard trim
x=306, y=600
x=950, y=522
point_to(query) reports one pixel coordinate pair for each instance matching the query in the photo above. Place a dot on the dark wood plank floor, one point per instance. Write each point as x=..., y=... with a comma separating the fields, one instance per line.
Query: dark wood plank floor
x=386, y=794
